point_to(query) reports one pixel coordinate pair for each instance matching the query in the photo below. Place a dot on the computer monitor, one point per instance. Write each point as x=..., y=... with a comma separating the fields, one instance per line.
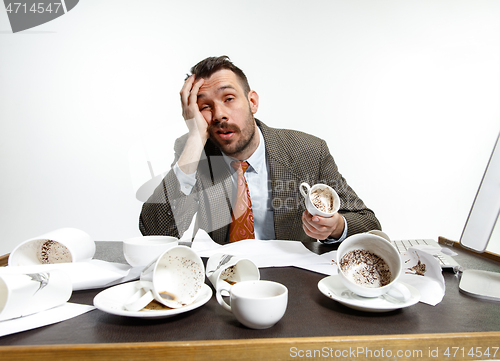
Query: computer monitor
x=479, y=227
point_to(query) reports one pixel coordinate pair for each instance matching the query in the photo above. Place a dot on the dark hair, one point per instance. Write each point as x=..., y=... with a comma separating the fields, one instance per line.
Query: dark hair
x=205, y=68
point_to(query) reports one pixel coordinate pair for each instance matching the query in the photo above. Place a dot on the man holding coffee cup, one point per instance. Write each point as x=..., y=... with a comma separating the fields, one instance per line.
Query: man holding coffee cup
x=240, y=177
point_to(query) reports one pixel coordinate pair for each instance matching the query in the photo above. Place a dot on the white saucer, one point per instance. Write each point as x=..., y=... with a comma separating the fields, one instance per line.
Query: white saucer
x=111, y=300
x=332, y=287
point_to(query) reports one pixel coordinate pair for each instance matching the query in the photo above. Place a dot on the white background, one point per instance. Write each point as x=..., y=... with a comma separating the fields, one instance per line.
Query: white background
x=406, y=93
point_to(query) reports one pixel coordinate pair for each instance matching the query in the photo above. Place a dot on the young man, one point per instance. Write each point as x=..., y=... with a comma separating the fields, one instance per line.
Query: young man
x=218, y=107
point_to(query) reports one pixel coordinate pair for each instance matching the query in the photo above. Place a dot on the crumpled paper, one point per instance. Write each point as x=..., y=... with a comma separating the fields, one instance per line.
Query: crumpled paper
x=43, y=318
x=423, y=271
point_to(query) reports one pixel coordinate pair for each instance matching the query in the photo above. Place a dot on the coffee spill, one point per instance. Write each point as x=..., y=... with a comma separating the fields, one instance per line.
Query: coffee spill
x=231, y=282
x=157, y=306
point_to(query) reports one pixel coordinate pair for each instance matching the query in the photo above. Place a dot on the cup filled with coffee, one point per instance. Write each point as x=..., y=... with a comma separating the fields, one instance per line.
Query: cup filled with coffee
x=370, y=266
x=175, y=280
x=256, y=304
x=229, y=269
x=320, y=199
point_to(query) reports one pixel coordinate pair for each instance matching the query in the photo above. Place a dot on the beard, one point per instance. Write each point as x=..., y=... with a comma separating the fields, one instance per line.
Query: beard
x=233, y=147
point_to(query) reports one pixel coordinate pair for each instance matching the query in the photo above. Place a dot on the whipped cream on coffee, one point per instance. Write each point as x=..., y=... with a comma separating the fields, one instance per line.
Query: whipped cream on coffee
x=365, y=268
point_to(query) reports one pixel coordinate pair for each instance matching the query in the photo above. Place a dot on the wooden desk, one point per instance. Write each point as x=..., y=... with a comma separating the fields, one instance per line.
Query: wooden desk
x=314, y=327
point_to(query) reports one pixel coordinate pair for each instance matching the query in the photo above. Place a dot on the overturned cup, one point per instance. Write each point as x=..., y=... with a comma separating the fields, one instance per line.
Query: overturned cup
x=226, y=269
x=175, y=280
x=370, y=266
x=59, y=246
x=25, y=294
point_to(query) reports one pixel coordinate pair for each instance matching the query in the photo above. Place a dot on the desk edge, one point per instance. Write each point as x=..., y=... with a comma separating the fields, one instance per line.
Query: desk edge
x=252, y=349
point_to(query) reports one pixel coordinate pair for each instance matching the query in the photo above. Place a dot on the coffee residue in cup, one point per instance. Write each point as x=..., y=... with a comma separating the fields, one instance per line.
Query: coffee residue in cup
x=365, y=268
x=322, y=198
x=49, y=252
x=228, y=274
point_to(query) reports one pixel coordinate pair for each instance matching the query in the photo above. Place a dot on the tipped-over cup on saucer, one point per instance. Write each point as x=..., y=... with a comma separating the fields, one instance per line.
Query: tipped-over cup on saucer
x=370, y=266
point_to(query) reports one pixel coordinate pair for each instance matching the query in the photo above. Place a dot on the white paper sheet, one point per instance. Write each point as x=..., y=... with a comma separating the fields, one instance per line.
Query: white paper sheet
x=44, y=318
x=84, y=275
x=273, y=253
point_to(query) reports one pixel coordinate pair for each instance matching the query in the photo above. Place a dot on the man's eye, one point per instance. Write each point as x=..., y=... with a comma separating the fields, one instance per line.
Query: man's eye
x=229, y=99
x=204, y=107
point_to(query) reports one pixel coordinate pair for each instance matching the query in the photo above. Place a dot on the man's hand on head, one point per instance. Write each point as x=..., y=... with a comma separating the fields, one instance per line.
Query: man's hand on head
x=195, y=121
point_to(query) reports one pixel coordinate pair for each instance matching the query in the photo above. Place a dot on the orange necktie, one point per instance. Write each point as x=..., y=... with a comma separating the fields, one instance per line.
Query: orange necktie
x=242, y=218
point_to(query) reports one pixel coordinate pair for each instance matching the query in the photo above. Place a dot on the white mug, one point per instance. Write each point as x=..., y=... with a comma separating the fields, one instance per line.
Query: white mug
x=354, y=273
x=60, y=246
x=26, y=294
x=256, y=304
x=175, y=280
x=141, y=251
x=229, y=269
x=308, y=192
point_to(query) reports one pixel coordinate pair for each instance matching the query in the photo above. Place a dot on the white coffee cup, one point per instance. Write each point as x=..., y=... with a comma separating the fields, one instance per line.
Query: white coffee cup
x=59, y=246
x=256, y=304
x=26, y=294
x=141, y=251
x=307, y=192
x=229, y=269
x=175, y=280
x=367, y=245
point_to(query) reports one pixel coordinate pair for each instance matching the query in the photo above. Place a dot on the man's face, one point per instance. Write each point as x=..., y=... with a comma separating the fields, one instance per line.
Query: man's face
x=229, y=114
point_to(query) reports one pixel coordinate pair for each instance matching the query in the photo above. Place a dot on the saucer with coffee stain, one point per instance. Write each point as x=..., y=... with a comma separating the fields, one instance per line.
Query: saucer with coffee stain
x=112, y=299
x=332, y=287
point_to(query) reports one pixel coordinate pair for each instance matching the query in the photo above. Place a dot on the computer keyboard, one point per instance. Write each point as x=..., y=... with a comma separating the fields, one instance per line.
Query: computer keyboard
x=445, y=260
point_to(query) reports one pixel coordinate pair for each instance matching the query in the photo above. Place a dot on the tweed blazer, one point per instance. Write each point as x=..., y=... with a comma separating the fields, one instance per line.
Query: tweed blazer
x=294, y=157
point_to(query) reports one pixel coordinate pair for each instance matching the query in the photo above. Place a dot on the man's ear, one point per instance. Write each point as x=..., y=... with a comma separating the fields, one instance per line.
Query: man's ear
x=253, y=100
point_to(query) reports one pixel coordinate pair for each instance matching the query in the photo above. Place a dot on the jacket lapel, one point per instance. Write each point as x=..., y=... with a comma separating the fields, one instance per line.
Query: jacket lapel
x=216, y=191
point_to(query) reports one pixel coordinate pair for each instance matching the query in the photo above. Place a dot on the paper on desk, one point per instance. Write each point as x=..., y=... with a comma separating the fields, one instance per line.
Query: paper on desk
x=84, y=275
x=325, y=263
x=430, y=282
x=44, y=318
x=273, y=253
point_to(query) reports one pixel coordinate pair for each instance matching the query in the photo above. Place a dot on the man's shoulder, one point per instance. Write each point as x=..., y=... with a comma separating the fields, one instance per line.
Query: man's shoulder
x=289, y=137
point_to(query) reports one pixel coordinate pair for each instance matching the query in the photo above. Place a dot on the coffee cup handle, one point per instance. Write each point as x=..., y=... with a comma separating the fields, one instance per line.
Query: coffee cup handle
x=400, y=292
x=139, y=300
x=302, y=191
x=221, y=300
